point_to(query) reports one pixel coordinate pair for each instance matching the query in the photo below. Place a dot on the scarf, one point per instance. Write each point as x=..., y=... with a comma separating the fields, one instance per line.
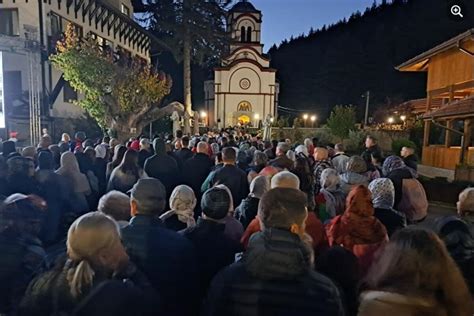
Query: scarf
x=182, y=203
x=357, y=225
x=392, y=163
x=383, y=193
x=331, y=190
x=70, y=168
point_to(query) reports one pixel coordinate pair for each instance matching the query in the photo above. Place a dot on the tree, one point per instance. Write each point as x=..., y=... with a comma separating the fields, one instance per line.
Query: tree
x=341, y=121
x=121, y=94
x=193, y=29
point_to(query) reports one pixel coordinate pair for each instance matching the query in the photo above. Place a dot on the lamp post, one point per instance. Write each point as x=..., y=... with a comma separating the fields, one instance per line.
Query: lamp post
x=313, y=119
x=305, y=117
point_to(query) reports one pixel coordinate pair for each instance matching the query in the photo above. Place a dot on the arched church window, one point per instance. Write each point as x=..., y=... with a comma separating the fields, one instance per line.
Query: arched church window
x=249, y=34
x=244, y=106
x=242, y=34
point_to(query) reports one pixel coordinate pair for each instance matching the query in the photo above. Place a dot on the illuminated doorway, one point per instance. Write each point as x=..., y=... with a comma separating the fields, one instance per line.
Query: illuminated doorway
x=244, y=119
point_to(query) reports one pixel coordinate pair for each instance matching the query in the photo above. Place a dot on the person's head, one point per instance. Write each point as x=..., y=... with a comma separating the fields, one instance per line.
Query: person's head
x=415, y=262
x=65, y=138
x=383, y=193
x=202, y=148
x=260, y=159
x=130, y=162
x=356, y=164
x=183, y=199
x=45, y=161
x=229, y=155
x=29, y=152
x=392, y=163
x=106, y=140
x=407, y=151
x=339, y=148
x=90, y=153
x=69, y=162
x=282, y=148
x=285, y=179
x=465, y=204
x=113, y=143
x=315, y=141
x=215, y=148
x=159, y=146
x=22, y=214
x=223, y=141
x=145, y=144
x=291, y=155
x=302, y=149
x=45, y=142
x=179, y=133
x=119, y=152
x=116, y=205
x=93, y=244
x=54, y=149
x=370, y=141
x=215, y=203
x=283, y=208
x=20, y=166
x=185, y=142
x=358, y=202
x=377, y=158
x=148, y=197
x=320, y=154
x=259, y=186
x=308, y=143
x=8, y=147
x=330, y=179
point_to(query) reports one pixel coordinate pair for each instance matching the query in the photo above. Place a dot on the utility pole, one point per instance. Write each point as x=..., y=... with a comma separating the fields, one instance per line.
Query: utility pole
x=367, y=101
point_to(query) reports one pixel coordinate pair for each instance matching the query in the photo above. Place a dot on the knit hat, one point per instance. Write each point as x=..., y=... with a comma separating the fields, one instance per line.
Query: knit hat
x=215, y=203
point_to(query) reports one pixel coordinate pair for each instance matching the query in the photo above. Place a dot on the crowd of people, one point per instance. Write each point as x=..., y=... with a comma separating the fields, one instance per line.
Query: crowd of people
x=225, y=224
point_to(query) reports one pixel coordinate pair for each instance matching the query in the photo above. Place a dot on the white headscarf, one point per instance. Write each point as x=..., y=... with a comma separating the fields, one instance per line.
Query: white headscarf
x=182, y=203
x=259, y=186
x=70, y=168
x=100, y=151
x=302, y=149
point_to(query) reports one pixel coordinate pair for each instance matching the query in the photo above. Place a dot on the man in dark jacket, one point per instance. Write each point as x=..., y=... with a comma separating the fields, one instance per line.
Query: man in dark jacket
x=282, y=161
x=167, y=258
x=231, y=176
x=145, y=151
x=275, y=275
x=213, y=248
x=196, y=169
x=163, y=167
x=183, y=153
x=371, y=148
x=409, y=157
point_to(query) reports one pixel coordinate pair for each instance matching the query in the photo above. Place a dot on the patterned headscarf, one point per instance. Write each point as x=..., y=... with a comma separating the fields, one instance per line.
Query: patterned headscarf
x=330, y=180
x=383, y=193
x=182, y=203
x=331, y=190
x=357, y=164
x=392, y=163
x=259, y=186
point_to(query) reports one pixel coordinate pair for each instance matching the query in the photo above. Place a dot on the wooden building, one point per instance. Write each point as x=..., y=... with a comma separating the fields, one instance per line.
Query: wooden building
x=448, y=110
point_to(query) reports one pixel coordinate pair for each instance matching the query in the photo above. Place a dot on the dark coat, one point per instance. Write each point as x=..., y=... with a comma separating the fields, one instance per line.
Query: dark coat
x=22, y=259
x=167, y=259
x=182, y=155
x=247, y=210
x=391, y=219
x=397, y=177
x=50, y=294
x=367, y=155
x=143, y=155
x=195, y=171
x=274, y=277
x=235, y=179
x=411, y=161
x=282, y=162
x=214, y=250
x=164, y=168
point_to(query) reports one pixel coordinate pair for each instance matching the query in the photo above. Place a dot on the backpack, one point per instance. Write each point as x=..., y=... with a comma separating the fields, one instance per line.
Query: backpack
x=414, y=203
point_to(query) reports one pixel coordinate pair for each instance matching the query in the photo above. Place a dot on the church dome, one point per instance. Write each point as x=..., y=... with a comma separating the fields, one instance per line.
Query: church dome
x=244, y=6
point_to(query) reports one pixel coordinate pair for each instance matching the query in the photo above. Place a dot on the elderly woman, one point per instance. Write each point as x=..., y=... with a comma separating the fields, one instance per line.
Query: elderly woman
x=116, y=205
x=322, y=161
x=247, y=210
x=383, y=197
x=96, y=279
x=355, y=174
x=182, y=204
x=330, y=201
x=358, y=230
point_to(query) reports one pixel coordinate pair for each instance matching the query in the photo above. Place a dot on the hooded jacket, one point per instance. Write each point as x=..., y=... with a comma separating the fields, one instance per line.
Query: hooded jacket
x=274, y=277
x=351, y=179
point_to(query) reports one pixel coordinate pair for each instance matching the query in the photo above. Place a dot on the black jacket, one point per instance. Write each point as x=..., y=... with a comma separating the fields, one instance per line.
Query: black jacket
x=143, y=155
x=181, y=156
x=214, y=250
x=247, y=210
x=411, y=161
x=397, y=177
x=235, y=179
x=391, y=219
x=195, y=171
x=367, y=155
x=166, y=258
x=274, y=278
x=164, y=168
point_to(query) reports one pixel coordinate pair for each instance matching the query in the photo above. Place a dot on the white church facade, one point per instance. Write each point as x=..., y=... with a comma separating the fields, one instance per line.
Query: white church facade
x=244, y=89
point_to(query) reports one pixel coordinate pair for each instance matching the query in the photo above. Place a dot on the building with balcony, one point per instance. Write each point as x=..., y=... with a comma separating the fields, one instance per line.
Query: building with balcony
x=33, y=94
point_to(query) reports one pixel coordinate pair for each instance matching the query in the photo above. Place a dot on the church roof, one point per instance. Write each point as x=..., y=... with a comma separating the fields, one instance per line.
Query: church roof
x=244, y=6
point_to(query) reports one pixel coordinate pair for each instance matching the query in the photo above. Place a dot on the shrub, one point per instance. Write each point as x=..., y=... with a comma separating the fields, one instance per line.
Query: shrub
x=356, y=141
x=341, y=121
x=399, y=143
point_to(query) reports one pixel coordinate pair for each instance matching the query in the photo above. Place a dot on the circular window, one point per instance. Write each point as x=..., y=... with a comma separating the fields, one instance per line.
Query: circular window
x=244, y=83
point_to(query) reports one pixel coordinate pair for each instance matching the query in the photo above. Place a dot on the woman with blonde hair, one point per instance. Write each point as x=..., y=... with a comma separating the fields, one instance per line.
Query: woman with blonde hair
x=182, y=204
x=415, y=275
x=95, y=279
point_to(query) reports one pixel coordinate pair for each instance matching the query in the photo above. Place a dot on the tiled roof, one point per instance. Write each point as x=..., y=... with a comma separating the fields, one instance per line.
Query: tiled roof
x=463, y=108
x=244, y=6
x=419, y=105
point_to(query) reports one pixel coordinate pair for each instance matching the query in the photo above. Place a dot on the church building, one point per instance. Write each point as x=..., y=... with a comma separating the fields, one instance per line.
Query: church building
x=244, y=89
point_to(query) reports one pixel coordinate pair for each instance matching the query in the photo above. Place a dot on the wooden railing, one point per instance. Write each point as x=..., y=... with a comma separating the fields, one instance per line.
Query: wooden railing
x=445, y=157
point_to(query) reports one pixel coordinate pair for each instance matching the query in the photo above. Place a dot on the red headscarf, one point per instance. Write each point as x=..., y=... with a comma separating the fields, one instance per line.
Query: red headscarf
x=357, y=225
x=135, y=145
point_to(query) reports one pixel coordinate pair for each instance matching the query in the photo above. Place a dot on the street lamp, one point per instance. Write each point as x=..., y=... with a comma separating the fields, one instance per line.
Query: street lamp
x=313, y=119
x=256, y=117
x=390, y=120
x=403, y=117
x=305, y=117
